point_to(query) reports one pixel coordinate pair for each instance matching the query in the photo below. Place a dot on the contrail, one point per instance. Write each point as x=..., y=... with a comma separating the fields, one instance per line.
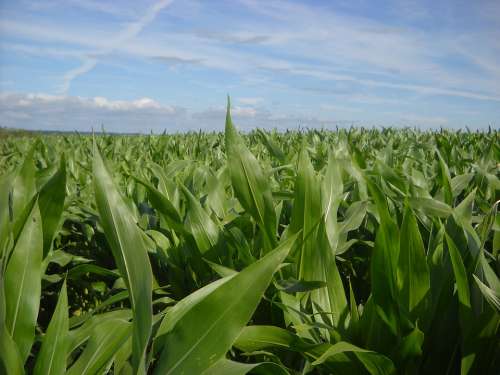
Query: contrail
x=87, y=66
x=129, y=32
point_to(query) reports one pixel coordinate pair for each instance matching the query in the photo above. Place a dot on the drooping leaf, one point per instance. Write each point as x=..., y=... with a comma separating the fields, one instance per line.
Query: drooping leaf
x=294, y=286
x=163, y=205
x=375, y=363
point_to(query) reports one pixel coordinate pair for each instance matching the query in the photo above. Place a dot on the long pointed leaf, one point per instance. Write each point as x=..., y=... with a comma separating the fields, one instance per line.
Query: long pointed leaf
x=23, y=283
x=51, y=360
x=207, y=330
x=249, y=183
x=130, y=253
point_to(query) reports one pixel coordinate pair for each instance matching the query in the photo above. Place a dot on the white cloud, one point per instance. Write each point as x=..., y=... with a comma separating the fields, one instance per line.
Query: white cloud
x=32, y=99
x=61, y=112
x=68, y=113
x=250, y=101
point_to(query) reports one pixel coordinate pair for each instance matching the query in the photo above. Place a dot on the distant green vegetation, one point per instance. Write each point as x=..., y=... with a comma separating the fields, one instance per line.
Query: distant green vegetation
x=314, y=252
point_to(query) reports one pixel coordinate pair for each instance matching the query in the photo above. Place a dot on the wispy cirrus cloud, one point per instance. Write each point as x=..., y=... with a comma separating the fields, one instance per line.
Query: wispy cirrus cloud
x=384, y=59
x=128, y=32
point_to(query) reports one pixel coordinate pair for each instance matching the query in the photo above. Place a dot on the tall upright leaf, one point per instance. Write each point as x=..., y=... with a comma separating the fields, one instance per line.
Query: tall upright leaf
x=51, y=360
x=24, y=186
x=413, y=272
x=10, y=359
x=130, y=253
x=5, y=212
x=445, y=179
x=51, y=203
x=384, y=262
x=305, y=218
x=249, y=183
x=23, y=283
x=317, y=259
x=199, y=224
x=465, y=310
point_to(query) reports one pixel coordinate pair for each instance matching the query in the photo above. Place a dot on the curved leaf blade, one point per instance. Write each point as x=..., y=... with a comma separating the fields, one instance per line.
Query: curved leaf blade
x=130, y=253
x=51, y=203
x=207, y=330
x=51, y=360
x=249, y=183
x=23, y=283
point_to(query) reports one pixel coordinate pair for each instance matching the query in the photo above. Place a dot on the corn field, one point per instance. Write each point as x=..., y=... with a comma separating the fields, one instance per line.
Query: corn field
x=302, y=252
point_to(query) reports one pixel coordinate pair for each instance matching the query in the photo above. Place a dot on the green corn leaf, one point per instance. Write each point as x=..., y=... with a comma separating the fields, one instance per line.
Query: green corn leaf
x=375, y=363
x=307, y=204
x=249, y=183
x=130, y=253
x=272, y=147
x=465, y=309
x=199, y=224
x=489, y=294
x=23, y=284
x=332, y=189
x=461, y=280
x=445, y=179
x=51, y=360
x=221, y=270
x=83, y=328
x=384, y=262
x=163, y=205
x=431, y=206
x=180, y=309
x=51, y=203
x=24, y=184
x=254, y=338
x=413, y=272
x=227, y=367
x=10, y=359
x=293, y=286
x=5, y=219
x=317, y=260
x=353, y=307
x=206, y=331
x=410, y=348
x=354, y=217
x=102, y=345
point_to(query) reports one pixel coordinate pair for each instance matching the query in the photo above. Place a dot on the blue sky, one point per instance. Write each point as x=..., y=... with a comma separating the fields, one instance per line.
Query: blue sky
x=159, y=65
